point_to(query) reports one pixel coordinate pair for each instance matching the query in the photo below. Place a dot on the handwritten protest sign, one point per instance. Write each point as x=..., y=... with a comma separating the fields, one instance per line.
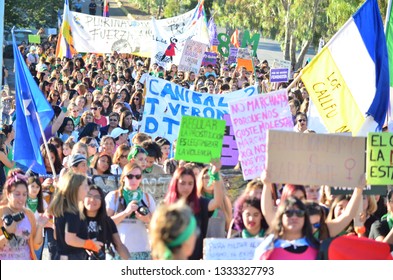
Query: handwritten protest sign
x=35, y=39
x=192, y=56
x=200, y=139
x=230, y=249
x=209, y=58
x=232, y=55
x=230, y=153
x=379, y=163
x=279, y=63
x=252, y=118
x=279, y=75
x=315, y=159
x=167, y=102
x=244, y=59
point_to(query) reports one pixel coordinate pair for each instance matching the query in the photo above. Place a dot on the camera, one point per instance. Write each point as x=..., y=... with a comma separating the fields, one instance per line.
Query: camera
x=143, y=210
x=97, y=256
x=9, y=219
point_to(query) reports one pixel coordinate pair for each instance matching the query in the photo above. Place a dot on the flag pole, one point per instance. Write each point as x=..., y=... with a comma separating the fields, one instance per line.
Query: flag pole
x=388, y=14
x=52, y=166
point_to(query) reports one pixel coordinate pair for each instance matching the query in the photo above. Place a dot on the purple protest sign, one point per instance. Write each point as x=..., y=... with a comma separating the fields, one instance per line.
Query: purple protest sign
x=209, y=58
x=279, y=75
x=232, y=55
x=230, y=153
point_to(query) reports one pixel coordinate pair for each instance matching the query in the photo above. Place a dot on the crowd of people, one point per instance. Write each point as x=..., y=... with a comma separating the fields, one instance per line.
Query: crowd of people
x=98, y=103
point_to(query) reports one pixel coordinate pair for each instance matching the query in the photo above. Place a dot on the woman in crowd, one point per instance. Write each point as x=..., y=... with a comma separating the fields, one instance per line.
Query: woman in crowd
x=91, y=130
x=248, y=220
x=136, y=104
x=165, y=148
x=21, y=234
x=100, y=226
x=291, y=237
x=101, y=164
x=9, y=131
x=106, y=105
x=4, y=161
x=66, y=130
x=108, y=145
x=120, y=159
x=138, y=155
x=58, y=143
x=220, y=221
x=173, y=232
x=86, y=118
x=70, y=221
x=382, y=230
x=131, y=210
x=126, y=122
x=92, y=147
x=36, y=203
x=183, y=186
x=153, y=156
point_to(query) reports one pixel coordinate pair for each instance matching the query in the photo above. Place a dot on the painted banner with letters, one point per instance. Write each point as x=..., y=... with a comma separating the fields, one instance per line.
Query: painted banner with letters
x=167, y=102
x=98, y=34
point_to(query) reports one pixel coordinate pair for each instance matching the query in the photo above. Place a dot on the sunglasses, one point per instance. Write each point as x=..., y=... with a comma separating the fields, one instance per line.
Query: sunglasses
x=292, y=212
x=301, y=120
x=56, y=95
x=93, y=108
x=137, y=99
x=123, y=156
x=131, y=176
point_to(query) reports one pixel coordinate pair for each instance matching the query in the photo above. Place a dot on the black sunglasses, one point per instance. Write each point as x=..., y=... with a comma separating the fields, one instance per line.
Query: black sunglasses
x=299, y=213
x=131, y=176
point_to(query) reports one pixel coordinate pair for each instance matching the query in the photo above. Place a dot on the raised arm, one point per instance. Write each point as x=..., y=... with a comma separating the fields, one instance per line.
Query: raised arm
x=218, y=185
x=267, y=204
x=338, y=224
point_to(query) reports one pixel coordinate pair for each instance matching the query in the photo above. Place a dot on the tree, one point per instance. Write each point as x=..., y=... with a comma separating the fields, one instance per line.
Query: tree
x=32, y=13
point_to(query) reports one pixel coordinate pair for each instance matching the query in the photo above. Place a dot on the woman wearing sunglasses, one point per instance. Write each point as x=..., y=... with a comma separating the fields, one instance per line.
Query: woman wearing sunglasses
x=131, y=210
x=291, y=236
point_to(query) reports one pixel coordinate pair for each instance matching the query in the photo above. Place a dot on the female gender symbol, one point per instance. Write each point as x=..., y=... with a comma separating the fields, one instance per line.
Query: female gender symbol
x=349, y=165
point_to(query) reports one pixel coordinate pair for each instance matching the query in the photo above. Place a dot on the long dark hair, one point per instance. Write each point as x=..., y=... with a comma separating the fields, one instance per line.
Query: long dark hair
x=101, y=216
x=278, y=229
x=88, y=130
x=52, y=149
x=32, y=180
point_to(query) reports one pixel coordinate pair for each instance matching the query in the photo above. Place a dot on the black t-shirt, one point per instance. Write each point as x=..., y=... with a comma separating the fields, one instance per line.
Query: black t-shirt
x=202, y=219
x=73, y=224
x=102, y=233
x=379, y=228
x=92, y=8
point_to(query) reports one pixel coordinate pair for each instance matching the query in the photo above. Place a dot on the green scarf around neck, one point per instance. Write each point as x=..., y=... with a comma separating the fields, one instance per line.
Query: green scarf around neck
x=247, y=234
x=32, y=204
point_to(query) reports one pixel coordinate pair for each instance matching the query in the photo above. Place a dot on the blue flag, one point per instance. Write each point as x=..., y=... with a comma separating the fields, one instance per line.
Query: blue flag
x=30, y=104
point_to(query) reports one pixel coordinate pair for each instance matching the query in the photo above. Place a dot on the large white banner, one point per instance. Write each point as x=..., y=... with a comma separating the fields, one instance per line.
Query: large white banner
x=166, y=103
x=251, y=118
x=105, y=34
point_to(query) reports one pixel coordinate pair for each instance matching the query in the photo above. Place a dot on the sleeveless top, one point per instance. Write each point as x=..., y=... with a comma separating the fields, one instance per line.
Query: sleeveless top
x=18, y=248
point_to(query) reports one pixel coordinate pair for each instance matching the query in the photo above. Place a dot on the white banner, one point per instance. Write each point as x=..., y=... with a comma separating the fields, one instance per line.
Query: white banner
x=98, y=34
x=166, y=103
x=251, y=118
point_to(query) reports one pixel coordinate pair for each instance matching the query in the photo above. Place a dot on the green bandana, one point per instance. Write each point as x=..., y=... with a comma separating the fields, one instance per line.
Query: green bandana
x=185, y=235
x=132, y=195
x=136, y=150
x=246, y=234
x=148, y=170
x=389, y=219
x=32, y=204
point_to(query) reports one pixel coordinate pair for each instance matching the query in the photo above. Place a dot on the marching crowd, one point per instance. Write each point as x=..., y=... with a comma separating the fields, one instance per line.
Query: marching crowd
x=98, y=103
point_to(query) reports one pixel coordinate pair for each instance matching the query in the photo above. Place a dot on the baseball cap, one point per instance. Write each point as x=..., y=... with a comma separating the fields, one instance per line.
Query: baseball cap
x=117, y=132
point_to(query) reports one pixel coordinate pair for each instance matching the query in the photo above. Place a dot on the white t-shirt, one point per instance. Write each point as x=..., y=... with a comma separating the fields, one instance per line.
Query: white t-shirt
x=133, y=232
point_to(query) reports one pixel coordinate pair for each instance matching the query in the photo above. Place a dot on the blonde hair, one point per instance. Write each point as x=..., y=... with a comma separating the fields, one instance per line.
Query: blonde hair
x=127, y=169
x=167, y=223
x=372, y=205
x=66, y=197
x=119, y=152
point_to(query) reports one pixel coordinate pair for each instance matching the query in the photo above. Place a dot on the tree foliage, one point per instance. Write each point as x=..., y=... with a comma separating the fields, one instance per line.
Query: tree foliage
x=31, y=13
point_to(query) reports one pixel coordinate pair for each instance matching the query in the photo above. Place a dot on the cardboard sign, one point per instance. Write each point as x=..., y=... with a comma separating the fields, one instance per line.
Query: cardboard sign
x=230, y=153
x=278, y=63
x=230, y=249
x=34, y=39
x=200, y=139
x=279, y=75
x=192, y=56
x=252, y=118
x=380, y=158
x=315, y=159
x=209, y=58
